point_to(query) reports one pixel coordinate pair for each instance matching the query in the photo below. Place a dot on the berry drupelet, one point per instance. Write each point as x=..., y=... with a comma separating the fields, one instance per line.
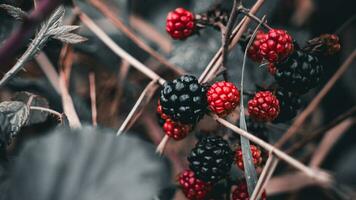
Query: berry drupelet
x=241, y=193
x=211, y=159
x=264, y=106
x=256, y=155
x=299, y=73
x=192, y=187
x=180, y=24
x=184, y=100
x=223, y=97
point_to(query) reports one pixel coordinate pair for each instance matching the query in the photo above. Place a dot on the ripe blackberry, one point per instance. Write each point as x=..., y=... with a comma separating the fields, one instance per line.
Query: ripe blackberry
x=241, y=192
x=176, y=130
x=180, y=23
x=184, y=100
x=211, y=159
x=223, y=97
x=272, y=46
x=256, y=156
x=193, y=188
x=289, y=104
x=299, y=73
x=161, y=117
x=264, y=106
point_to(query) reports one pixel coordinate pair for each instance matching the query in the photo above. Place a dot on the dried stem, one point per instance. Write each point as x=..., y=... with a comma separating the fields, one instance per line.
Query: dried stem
x=136, y=111
x=93, y=98
x=266, y=174
x=316, y=101
x=115, y=48
x=215, y=63
x=318, y=132
x=53, y=112
x=318, y=175
x=24, y=32
x=254, y=17
x=226, y=36
x=162, y=145
x=105, y=10
x=48, y=69
x=330, y=138
x=67, y=102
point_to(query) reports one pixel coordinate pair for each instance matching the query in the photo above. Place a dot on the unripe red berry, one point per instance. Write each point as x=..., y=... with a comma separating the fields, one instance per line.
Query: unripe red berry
x=180, y=24
x=176, y=130
x=256, y=156
x=193, y=188
x=241, y=192
x=223, y=97
x=264, y=106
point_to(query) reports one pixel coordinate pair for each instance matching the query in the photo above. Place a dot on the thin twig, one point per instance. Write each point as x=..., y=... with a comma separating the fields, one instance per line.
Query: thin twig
x=115, y=48
x=252, y=16
x=162, y=145
x=330, y=138
x=105, y=10
x=316, y=174
x=67, y=102
x=48, y=69
x=136, y=111
x=93, y=98
x=215, y=63
x=310, y=136
x=53, y=112
x=226, y=36
x=150, y=32
x=316, y=101
x=266, y=174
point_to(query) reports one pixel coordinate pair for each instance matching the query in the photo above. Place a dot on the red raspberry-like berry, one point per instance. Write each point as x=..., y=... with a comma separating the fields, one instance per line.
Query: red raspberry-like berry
x=223, y=97
x=256, y=156
x=272, y=46
x=264, y=106
x=176, y=130
x=253, y=51
x=180, y=23
x=193, y=188
x=241, y=193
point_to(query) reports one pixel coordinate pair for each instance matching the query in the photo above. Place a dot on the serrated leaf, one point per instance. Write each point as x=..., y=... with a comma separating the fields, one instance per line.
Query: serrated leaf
x=62, y=30
x=36, y=116
x=87, y=164
x=15, y=115
x=70, y=38
x=15, y=12
x=56, y=18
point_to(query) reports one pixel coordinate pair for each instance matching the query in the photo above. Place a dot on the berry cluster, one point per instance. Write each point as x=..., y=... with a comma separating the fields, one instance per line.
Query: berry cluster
x=184, y=101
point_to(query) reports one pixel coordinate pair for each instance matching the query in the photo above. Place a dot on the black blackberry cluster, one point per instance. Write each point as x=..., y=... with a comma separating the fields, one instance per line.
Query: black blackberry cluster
x=184, y=100
x=289, y=104
x=211, y=159
x=299, y=73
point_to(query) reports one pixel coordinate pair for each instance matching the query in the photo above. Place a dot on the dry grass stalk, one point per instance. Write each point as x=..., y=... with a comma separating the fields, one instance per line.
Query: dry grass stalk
x=140, y=104
x=93, y=98
x=87, y=21
x=105, y=10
